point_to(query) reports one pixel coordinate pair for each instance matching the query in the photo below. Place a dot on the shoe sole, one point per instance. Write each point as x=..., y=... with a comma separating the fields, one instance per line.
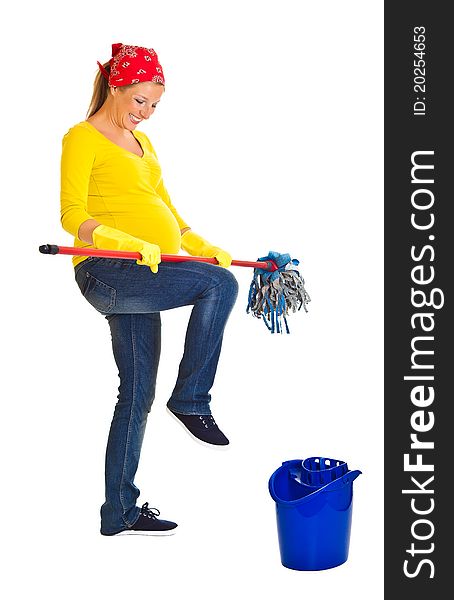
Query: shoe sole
x=195, y=438
x=147, y=533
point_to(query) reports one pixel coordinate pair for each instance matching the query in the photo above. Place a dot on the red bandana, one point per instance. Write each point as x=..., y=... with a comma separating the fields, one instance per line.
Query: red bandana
x=132, y=64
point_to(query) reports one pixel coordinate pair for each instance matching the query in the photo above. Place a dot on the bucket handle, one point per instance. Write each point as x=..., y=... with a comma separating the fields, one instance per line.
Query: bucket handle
x=341, y=481
x=332, y=486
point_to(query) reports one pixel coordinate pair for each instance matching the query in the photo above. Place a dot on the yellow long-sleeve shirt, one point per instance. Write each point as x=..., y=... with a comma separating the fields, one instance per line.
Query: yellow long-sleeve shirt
x=102, y=181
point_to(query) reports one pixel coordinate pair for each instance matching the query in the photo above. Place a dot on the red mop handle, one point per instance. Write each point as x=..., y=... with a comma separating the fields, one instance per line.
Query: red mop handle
x=268, y=265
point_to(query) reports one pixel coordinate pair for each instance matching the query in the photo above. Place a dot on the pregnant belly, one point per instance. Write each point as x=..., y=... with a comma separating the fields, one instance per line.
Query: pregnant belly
x=160, y=228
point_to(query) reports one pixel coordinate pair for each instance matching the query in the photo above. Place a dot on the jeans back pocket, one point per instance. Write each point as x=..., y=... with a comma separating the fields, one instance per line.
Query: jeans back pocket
x=100, y=295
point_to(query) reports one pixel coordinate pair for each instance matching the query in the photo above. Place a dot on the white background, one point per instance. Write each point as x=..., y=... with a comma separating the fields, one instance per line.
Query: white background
x=270, y=138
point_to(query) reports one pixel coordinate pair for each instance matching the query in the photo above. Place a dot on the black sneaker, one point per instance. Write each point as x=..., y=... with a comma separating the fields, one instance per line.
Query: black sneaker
x=149, y=524
x=202, y=428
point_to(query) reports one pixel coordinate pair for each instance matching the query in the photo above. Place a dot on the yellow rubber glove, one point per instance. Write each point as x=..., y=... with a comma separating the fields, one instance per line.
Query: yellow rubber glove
x=107, y=238
x=195, y=245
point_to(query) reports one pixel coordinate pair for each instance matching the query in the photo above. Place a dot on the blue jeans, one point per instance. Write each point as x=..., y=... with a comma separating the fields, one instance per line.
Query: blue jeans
x=131, y=297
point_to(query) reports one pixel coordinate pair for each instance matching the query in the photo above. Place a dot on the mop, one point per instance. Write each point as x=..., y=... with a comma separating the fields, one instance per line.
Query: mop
x=273, y=294
x=277, y=287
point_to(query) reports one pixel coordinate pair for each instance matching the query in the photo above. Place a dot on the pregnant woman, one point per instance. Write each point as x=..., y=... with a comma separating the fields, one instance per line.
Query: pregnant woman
x=113, y=197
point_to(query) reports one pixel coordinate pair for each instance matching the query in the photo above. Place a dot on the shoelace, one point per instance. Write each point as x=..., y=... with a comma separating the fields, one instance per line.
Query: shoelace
x=207, y=420
x=151, y=513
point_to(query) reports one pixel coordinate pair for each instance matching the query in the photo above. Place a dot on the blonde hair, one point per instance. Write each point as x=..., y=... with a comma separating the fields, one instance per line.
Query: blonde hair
x=101, y=90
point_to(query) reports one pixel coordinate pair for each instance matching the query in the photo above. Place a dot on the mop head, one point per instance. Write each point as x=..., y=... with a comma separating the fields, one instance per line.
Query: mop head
x=273, y=294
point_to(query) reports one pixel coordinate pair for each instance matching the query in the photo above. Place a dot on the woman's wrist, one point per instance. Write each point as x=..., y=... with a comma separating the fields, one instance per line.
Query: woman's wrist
x=85, y=233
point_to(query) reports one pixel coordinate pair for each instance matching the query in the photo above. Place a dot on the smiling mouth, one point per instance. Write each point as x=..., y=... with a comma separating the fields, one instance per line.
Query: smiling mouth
x=134, y=119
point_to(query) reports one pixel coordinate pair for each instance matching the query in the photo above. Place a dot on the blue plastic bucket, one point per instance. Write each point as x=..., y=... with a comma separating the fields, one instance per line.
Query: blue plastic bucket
x=314, y=499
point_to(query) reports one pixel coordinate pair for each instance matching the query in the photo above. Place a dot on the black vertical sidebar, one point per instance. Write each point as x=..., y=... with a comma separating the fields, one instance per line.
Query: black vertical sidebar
x=419, y=327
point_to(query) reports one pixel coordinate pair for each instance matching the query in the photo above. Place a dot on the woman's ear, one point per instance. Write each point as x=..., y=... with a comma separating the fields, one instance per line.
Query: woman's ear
x=113, y=90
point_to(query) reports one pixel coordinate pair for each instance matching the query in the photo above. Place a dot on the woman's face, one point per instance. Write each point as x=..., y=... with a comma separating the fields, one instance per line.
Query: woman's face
x=135, y=103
